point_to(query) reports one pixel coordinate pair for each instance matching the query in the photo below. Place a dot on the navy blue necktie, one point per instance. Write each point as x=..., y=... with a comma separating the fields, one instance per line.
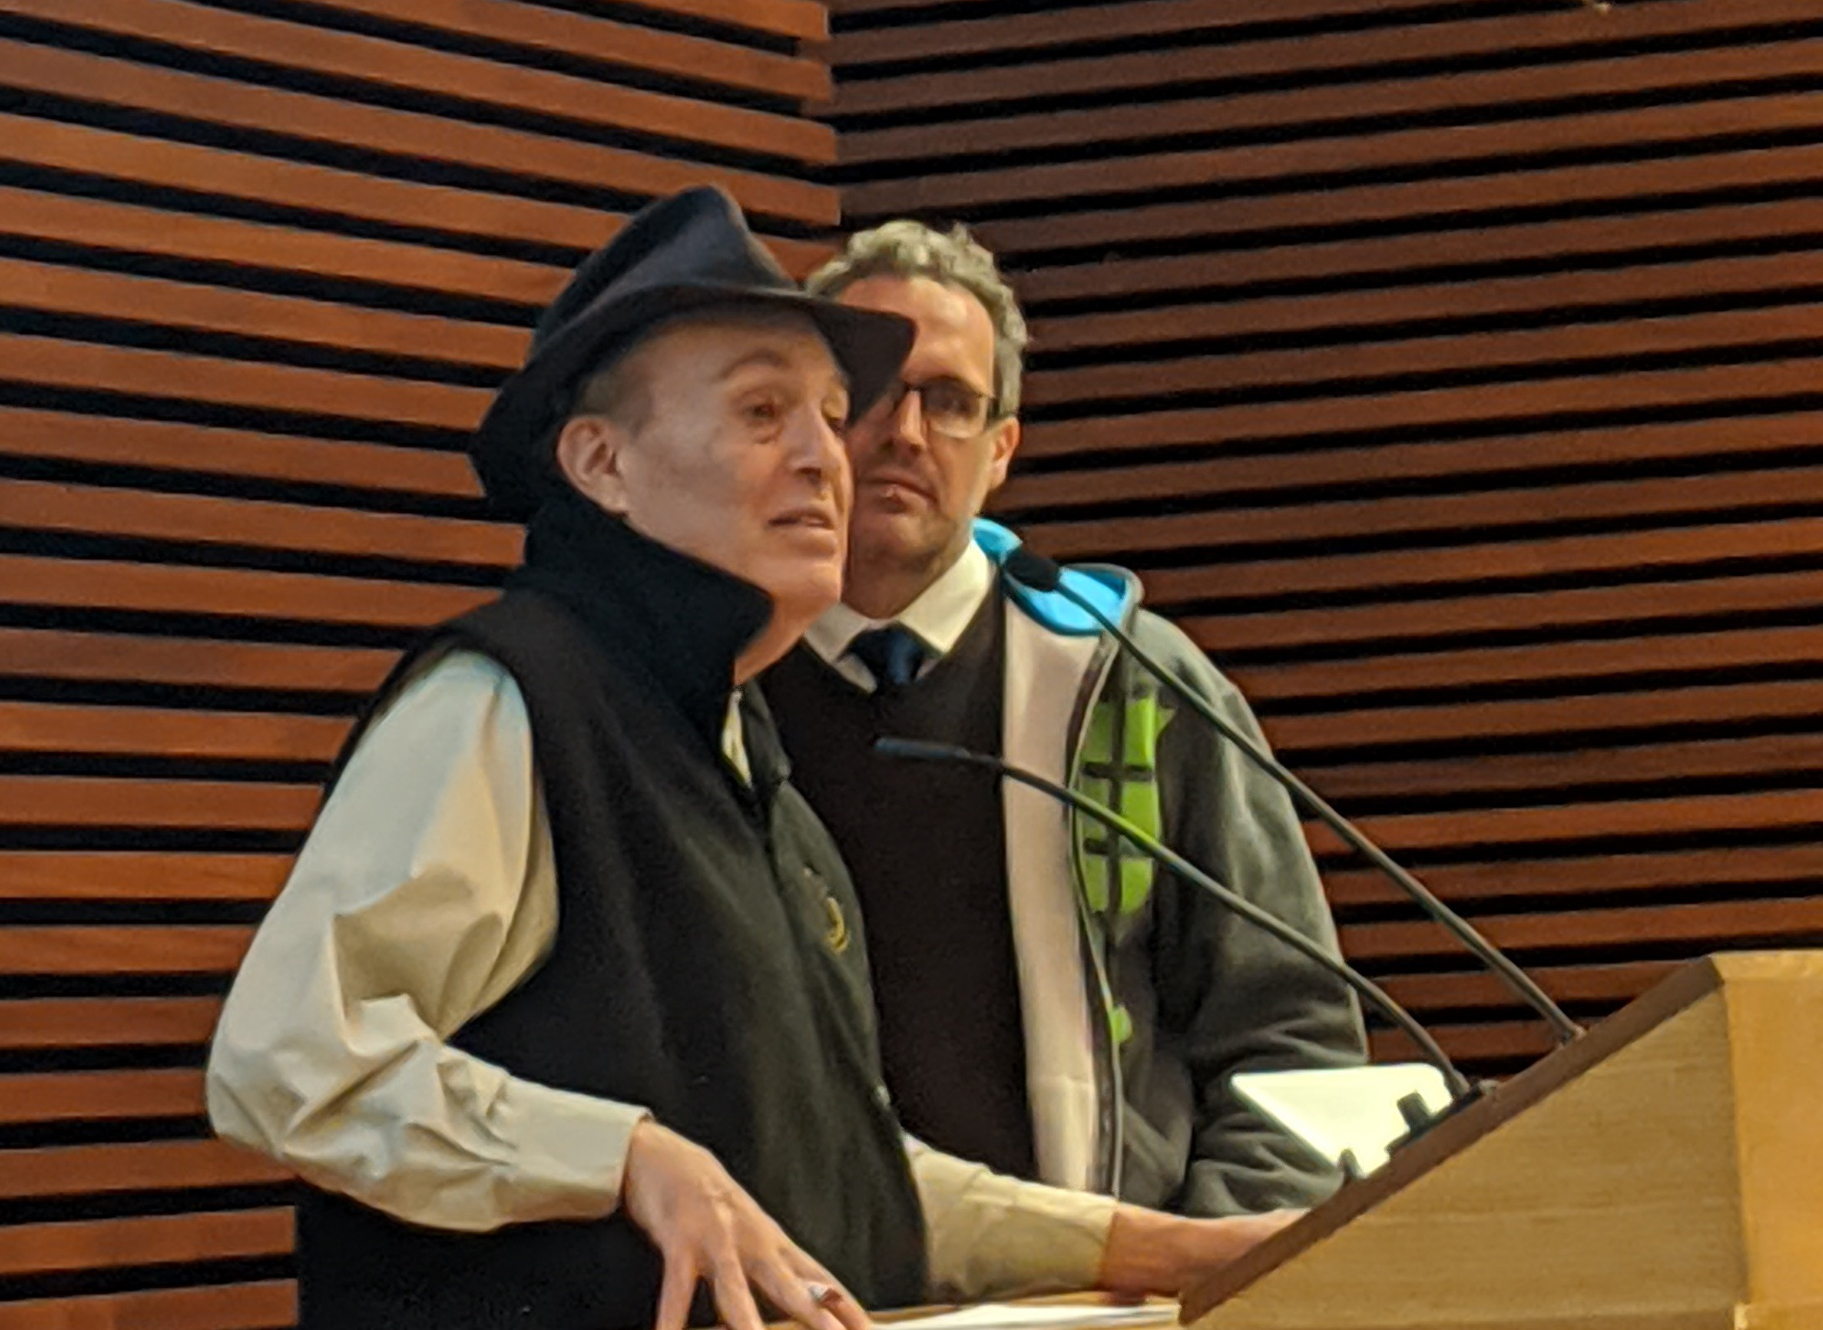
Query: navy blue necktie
x=892, y=655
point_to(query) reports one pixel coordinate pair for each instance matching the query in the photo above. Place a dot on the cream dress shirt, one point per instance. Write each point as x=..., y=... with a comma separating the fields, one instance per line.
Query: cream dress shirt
x=425, y=893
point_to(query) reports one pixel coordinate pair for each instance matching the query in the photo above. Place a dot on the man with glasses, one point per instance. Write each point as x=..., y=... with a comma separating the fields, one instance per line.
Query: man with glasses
x=1051, y=1008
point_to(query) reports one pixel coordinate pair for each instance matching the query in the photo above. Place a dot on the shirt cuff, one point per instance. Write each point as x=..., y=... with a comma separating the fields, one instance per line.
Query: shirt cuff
x=992, y=1236
x=571, y=1150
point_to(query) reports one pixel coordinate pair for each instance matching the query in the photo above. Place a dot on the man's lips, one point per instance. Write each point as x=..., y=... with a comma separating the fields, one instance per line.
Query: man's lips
x=811, y=518
x=889, y=480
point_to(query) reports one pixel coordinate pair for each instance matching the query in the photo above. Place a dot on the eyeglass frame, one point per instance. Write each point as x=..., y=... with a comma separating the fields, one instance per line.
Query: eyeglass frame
x=887, y=405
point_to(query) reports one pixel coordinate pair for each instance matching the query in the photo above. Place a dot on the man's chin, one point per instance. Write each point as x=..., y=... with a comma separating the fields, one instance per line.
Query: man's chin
x=890, y=537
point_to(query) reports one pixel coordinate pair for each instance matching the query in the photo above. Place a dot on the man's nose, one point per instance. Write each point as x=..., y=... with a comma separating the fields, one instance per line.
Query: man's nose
x=907, y=420
x=817, y=448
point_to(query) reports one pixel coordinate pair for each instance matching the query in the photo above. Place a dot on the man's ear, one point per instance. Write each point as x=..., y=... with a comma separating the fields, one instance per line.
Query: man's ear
x=591, y=454
x=1006, y=443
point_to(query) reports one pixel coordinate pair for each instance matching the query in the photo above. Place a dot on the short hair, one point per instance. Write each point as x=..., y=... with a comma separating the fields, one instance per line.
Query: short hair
x=909, y=249
x=616, y=389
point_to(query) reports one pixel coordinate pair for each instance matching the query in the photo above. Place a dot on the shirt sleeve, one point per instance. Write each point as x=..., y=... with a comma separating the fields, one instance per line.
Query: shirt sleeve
x=992, y=1236
x=424, y=894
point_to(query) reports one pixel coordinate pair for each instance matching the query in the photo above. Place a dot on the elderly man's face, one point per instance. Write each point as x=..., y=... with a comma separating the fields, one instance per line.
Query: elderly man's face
x=736, y=459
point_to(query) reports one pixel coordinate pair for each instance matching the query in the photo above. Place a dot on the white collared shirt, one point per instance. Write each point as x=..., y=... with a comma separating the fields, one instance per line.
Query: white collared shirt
x=938, y=618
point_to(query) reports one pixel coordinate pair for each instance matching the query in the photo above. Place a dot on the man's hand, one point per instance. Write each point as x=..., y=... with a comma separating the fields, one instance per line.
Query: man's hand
x=706, y=1226
x=1154, y=1253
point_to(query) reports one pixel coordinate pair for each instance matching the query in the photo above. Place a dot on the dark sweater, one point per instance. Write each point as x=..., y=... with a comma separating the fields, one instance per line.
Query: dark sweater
x=926, y=846
x=695, y=968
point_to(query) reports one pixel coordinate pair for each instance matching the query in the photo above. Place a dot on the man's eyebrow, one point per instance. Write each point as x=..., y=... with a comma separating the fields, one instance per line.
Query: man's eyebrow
x=765, y=355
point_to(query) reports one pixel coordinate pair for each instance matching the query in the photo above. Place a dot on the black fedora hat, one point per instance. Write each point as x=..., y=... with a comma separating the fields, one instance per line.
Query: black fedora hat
x=687, y=252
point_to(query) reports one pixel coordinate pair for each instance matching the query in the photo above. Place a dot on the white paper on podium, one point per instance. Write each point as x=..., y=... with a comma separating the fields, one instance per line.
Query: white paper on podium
x=1054, y=1316
x=1333, y=1109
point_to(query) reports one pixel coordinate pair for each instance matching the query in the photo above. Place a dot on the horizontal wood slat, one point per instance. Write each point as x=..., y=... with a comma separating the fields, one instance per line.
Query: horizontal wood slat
x=1537, y=506
x=1359, y=153
x=1645, y=710
x=1436, y=409
x=1582, y=661
x=1799, y=810
x=125, y=228
x=205, y=31
x=1461, y=200
x=1583, y=242
x=46, y=1023
x=1691, y=547
x=1498, y=460
x=1437, y=620
x=1333, y=314
x=1347, y=108
x=211, y=450
x=1586, y=768
x=269, y=1304
x=224, y=735
x=603, y=39
x=119, y=658
x=53, y=288
x=1651, y=872
x=195, y=519
x=142, y=875
x=1289, y=58
x=149, y=1166
x=122, y=949
x=167, y=164
x=152, y=1240
x=92, y=1095
x=1706, y=925
x=116, y=584
x=87, y=365
x=102, y=801
x=1332, y=367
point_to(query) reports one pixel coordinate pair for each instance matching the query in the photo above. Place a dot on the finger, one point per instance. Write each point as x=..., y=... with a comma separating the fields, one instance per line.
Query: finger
x=733, y=1296
x=676, y=1291
x=788, y=1285
x=839, y=1305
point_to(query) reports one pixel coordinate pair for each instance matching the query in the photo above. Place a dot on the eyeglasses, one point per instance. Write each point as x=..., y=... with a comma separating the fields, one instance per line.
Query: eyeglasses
x=946, y=406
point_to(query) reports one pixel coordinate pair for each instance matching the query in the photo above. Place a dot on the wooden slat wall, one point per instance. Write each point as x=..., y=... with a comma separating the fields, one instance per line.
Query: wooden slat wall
x=261, y=263
x=1453, y=371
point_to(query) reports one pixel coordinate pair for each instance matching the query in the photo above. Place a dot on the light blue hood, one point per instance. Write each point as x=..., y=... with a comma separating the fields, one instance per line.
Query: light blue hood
x=1111, y=590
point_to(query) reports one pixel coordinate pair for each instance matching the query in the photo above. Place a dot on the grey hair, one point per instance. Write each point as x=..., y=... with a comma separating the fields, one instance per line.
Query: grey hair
x=905, y=248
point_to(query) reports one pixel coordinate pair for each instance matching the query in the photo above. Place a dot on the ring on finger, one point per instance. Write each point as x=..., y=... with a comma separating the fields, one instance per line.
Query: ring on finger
x=824, y=1295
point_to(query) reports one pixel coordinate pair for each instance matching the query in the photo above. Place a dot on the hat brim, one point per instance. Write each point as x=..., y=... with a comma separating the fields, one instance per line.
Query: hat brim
x=510, y=451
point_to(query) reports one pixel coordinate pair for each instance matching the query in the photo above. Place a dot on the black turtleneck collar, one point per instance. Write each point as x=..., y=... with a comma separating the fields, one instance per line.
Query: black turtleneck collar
x=685, y=620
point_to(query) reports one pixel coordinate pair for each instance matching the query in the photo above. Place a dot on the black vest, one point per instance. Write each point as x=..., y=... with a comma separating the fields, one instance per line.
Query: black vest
x=699, y=967
x=926, y=844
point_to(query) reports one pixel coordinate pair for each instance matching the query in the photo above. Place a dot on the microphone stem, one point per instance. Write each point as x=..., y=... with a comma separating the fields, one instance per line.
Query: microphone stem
x=1459, y=1086
x=1516, y=979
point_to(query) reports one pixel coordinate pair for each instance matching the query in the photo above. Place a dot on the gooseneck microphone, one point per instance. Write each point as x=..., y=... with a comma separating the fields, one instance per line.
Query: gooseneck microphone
x=1459, y=1085
x=1038, y=573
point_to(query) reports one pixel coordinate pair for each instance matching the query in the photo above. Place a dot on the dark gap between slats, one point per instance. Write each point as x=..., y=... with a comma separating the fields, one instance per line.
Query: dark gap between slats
x=277, y=280
x=180, y=1272
x=203, y=203
x=266, y=350
x=957, y=157
x=77, y=545
x=1370, y=70
x=529, y=56
x=358, y=91
x=125, y=1204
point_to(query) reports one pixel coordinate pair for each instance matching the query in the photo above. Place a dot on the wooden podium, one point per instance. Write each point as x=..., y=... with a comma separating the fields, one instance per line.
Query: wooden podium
x=1663, y=1173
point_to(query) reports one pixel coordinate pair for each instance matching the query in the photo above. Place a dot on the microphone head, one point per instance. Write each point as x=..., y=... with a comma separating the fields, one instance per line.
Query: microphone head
x=1033, y=570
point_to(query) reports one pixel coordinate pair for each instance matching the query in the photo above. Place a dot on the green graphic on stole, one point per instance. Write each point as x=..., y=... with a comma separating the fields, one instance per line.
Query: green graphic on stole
x=1119, y=768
